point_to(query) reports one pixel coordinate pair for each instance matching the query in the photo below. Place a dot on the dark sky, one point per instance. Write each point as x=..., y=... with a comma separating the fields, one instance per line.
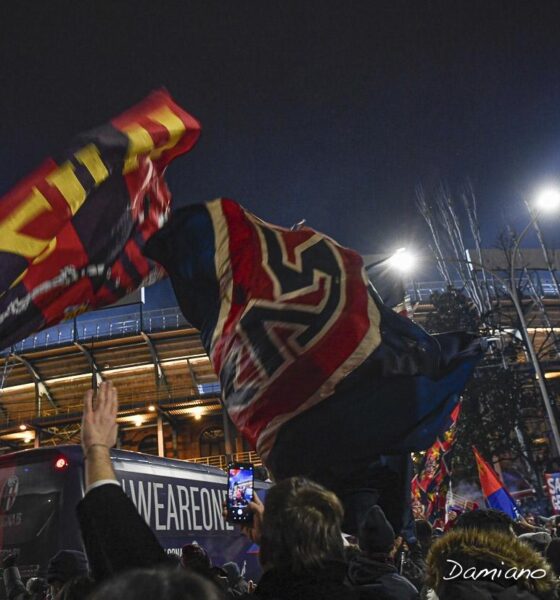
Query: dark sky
x=332, y=111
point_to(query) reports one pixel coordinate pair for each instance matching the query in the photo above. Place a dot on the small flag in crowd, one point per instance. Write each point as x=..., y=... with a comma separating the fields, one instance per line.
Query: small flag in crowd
x=290, y=322
x=72, y=233
x=493, y=490
x=430, y=487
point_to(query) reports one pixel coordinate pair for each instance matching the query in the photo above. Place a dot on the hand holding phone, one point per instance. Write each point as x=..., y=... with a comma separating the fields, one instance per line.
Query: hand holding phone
x=240, y=492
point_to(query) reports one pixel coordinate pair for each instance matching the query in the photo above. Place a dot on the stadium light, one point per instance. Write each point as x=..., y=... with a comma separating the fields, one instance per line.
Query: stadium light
x=403, y=260
x=548, y=200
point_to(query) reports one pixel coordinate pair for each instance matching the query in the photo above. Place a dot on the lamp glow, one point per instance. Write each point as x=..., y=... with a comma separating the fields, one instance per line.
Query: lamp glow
x=403, y=260
x=548, y=200
x=197, y=413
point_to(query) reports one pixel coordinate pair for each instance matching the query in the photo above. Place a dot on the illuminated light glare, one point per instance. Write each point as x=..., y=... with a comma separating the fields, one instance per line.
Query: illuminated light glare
x=403, y=260
x=152, y=408
x=197, y=413
x=138, y=421
x=23, y=427
x=548, y=200
x=61, y=463
x=116, y=371
x=27, y=439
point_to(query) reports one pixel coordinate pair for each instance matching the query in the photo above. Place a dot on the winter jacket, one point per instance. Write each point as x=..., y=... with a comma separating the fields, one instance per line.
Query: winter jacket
x=414, y=566
x=480, y=565
x=16, y=590
x=116, y=538
x=379, y=580
x=321, y=584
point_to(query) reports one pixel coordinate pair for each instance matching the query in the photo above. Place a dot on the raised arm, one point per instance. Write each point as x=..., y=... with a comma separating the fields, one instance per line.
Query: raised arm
x=115, y=536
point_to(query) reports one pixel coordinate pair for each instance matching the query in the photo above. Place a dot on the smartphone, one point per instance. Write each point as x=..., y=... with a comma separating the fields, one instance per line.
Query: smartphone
x=240, y=489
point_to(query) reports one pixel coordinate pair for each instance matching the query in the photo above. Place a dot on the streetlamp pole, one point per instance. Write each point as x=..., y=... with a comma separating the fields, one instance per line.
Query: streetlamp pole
x=528, y=342
x=511, y=289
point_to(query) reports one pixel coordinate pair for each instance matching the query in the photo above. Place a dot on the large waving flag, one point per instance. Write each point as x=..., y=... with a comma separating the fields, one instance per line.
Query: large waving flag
x=430, y=487
x=493, y=490
x=72, y=233
x=312, y=365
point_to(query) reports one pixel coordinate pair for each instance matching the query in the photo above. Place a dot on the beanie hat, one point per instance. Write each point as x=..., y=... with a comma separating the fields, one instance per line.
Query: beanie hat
x=232, y=572
x=195, y=557
x=376, y=534
x=65, y=565
x=538, y=540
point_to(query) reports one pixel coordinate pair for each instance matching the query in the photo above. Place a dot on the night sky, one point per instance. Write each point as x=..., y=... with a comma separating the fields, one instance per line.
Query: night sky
x=332, y=111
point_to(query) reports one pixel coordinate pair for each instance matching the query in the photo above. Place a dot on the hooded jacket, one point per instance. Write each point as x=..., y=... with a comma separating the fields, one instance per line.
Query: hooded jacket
x=379, y=580
x=327, y=583
x=487, y=565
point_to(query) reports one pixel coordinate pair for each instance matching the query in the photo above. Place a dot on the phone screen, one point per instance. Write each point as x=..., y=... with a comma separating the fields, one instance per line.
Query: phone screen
x=239, y=492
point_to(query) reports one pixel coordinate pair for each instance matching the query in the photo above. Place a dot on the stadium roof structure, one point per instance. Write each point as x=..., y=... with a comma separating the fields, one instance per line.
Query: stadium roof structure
x=157, y=369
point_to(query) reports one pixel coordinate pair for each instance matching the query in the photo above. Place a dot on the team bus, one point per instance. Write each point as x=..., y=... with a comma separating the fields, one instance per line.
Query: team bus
x=181, y=501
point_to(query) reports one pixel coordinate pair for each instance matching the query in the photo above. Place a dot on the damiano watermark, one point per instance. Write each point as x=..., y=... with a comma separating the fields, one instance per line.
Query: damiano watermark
x=514, y=573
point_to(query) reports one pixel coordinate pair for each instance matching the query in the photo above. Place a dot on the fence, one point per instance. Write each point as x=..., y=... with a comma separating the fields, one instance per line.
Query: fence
x=106, y=324
x=422, y=291
x=221, y=460
x=129, y=320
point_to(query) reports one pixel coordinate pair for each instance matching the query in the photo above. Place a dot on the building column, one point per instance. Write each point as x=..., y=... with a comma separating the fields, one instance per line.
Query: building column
x=160, y=441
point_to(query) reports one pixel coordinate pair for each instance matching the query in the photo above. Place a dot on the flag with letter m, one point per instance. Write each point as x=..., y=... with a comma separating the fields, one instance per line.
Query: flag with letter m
x=292, y=328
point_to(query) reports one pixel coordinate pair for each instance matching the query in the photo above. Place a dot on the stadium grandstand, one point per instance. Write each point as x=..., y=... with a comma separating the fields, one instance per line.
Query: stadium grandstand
x=169, y=395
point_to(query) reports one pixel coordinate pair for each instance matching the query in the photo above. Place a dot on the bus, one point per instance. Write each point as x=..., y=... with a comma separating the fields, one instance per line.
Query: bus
x=181, y=501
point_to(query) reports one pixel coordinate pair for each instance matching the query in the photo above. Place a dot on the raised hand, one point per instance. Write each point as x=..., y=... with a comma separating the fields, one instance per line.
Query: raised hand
x=253, y=530
x=99, y=422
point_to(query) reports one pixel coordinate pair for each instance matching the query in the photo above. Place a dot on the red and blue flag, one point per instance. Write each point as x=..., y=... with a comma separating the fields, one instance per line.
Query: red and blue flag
x=493, y=490
x=314, y=368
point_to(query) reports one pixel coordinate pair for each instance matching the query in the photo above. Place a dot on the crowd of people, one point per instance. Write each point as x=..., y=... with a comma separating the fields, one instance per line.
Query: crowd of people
x=304, y=553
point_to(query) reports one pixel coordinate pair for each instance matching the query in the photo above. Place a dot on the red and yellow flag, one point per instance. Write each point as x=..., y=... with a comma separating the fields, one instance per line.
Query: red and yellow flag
x=72, y=232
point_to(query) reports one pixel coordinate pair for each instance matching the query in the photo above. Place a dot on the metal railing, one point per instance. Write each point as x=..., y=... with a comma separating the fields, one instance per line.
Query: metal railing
x=106, y=324
x=122, y=321
x=221, y=460
x=421, y=291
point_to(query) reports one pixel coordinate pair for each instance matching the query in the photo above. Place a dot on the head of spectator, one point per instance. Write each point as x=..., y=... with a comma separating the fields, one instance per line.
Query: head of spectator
x=157, y=584
x=437, y=532
x=538, y=540
x=232, y=572
x=487, y=562
x=235, y=582
x=530, y=518
x=376, y=536
x=63, y=566
x=37, y=587
x=301, y=528
x=372, y=573
x=424, y=532
x=261, y=473
x=553, y=555
x=486, y=520
x=195, y=558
